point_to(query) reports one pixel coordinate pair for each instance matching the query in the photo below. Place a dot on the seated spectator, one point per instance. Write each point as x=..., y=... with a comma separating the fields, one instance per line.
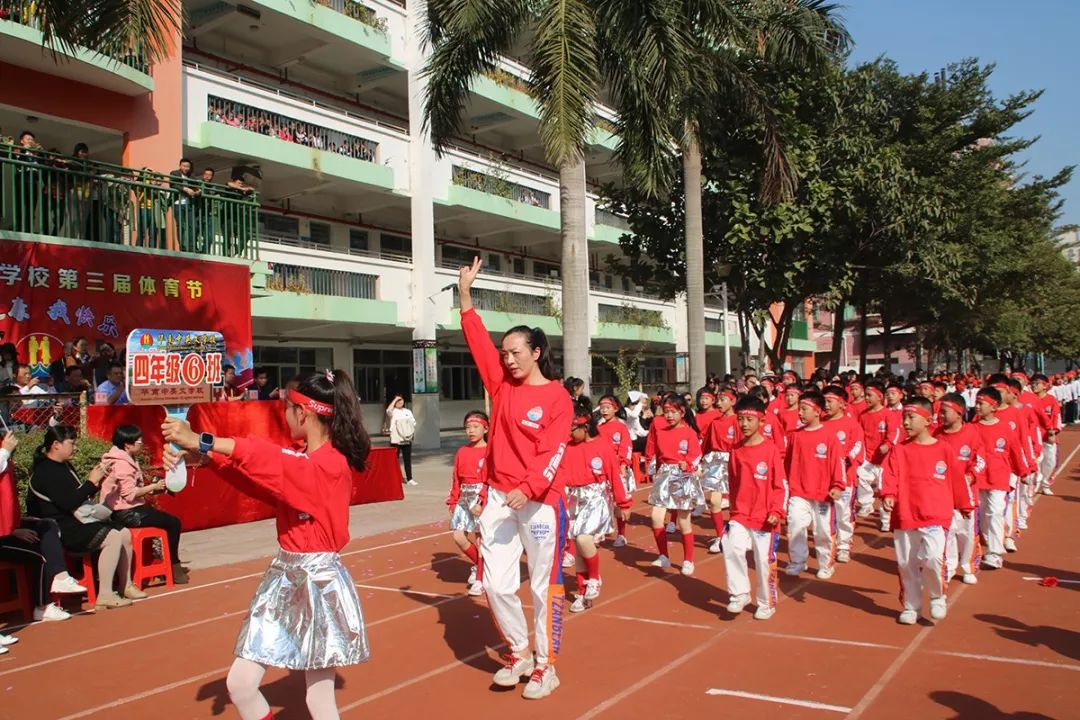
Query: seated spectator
x=8, y=363
x=114, y=387
x=262, y=385
x=124, y=491
x=56, y=493
x=229, y=391
x=104, y=356
x=32, y=542
x=28, y=384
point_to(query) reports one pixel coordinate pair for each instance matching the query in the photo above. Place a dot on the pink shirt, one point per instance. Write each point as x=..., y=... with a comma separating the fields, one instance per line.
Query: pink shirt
x=119, y=486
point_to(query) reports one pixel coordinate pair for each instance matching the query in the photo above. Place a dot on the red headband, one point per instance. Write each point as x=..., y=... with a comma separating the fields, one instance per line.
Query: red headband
x=814, y=405
x=673, y=406
x=987, y=397
x=918, y=410
x=1002, y=386
x=709, y=395
x=752, y=413
x=607, y=401
x=927, y=384
x=478, y=420
x=319, y=408
x=953, y=406
x=855, y=385
x=730, y=393
x=875, y=391
x=838, y=396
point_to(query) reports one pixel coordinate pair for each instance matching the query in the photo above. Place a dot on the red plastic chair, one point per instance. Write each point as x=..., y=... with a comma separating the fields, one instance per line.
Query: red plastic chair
x=87, y=578
x=144, y=566
x=23, y=600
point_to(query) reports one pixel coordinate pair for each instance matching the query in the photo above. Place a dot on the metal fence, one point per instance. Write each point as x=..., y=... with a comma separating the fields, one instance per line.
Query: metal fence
x=508, y=302
x=321, y=281
x=23, y=413
x=25, y=13
x=629, y=315
x=46, y=193
x=502, y=187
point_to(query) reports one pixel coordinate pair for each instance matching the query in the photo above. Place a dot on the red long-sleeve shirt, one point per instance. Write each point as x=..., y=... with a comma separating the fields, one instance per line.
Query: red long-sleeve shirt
x=758, y=485
x=723, y=434
x=1016, y=423
x=530, y=424
x=678, y=444
x=588, y=463
x=880, y=427
x=789, y=418
x=1004, y=456
x=926, y=485
x=705, y=419
x=1048, y=408
x=967, y=447
x=773, y=430
x=311, y=491
x=850, y=436
x=468, y=469
x=814, y=464
x=659, y=422
x=857, y=408
x=616, y=432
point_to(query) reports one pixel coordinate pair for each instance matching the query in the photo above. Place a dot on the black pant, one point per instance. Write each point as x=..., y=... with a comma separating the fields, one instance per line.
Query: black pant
x=146, y=516
x=405, y=451
x=46, y=555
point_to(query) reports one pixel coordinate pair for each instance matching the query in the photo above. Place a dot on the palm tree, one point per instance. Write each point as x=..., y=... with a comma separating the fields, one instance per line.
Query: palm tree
x=576, y=47
x=111, y=27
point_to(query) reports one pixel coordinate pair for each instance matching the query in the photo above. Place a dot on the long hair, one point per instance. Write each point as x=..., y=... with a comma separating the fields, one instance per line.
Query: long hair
x=620, y=411
x=53, y=434
x=688, y=412
x=537, y=340
x=346, y=424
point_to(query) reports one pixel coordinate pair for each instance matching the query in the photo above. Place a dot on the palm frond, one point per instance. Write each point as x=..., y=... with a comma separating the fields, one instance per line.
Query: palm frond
x=802, y=32
x=149, y=28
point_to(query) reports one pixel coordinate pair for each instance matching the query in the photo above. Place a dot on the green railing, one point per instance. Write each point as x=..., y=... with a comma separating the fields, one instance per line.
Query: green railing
x=629, y=315
x=24, y=12
x=321, y=281
x=508, y=302
x=44, y=193
x=494, y=185
x=357, y=11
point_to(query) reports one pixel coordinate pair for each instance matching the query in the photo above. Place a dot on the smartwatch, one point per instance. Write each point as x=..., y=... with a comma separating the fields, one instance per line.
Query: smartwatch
x=206, y=443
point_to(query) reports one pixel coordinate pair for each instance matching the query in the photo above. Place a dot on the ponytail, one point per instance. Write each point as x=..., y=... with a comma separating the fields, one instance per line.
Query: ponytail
x=346, y=424
x=537, y=340
x=53, y=434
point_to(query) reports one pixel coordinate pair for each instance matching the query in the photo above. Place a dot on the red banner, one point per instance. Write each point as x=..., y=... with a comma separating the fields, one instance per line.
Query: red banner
x=53, y=293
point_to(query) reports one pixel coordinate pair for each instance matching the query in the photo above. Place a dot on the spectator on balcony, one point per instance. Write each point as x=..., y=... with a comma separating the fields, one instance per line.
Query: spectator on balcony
x=27, y=182
x=113, y=391
x=151, y=202
x=125, y=491
x=229, y=391
x=184, y=193
x=239, y=231
x=206, y=209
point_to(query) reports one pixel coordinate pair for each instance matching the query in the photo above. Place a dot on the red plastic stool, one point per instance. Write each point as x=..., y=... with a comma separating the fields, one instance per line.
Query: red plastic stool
x=23, y=599
x=144, y=566
x=635, y=465
x=87, y=577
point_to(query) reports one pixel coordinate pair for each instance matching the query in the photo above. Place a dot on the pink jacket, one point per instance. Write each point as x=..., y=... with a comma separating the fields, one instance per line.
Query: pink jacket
x=125, y=477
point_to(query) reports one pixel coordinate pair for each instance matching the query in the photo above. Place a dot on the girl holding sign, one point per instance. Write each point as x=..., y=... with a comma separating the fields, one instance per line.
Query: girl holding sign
x=306, y=614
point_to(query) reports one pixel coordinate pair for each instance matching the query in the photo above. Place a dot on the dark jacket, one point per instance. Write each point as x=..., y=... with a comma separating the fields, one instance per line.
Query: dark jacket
x=59, y=483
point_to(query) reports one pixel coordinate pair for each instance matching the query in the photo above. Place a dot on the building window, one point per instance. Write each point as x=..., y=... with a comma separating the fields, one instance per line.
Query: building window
x=454, y=256
x=397, y=244
x=279, y=227
x=320, y=233
x=358, y=240
x=283, y=363
x=518, y=266
x=381, y=374
x=545, y=271
x=459, y=379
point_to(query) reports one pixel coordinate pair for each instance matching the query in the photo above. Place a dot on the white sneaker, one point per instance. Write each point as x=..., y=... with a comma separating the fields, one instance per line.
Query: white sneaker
x=725, y=502
x=716, y=546
x=620, y=541
x=764, y=613
x=6, y=640
x=66, y=586
x=843, y=556
x=578, y=605
x=884, y=527
x=50, y=612
x=1046, y=490
x=794, y=568
x=1021, y=523
x=970, y=579
x=825, y=573
x=472, y=576
x=476, y=588
x=737, y=604
x=1010, y=544
x=3, y=650
x=592, y=588
x=412, y=482
x=908, y=617
x=865, y=511
x=688, y=567
x=661, y=562
x=542, y=683
x=992, y=561
x=514, y=668
x=670, y=528
x=938, y=608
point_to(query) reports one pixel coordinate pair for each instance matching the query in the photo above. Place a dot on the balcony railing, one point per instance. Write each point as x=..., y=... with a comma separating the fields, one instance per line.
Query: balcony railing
x=266, y=239
x=264, y=122
x=508, y=302
x=357, y=11
x=501, y=187
x=24, y=12
x=46, y=193
x=629, y=315
x=606, y=217
x=321, y=281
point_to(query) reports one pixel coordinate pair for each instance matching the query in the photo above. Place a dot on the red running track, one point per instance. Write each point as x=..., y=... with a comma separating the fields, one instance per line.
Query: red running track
x=655, y=645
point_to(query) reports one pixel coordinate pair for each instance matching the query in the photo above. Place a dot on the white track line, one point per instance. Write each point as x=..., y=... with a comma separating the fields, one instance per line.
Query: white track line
x=828, y=641
x=658, y=622
x=1010, y=660
x=1071, y=582
x=777, y=699
x=406, y=591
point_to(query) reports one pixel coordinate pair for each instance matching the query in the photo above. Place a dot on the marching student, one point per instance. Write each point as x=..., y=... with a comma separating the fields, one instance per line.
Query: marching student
x=1049, y=408
x=467, y=493
x=894, y=396
x=848, y=433
x=1004, y=462
x=922, y=486
x=759, y=496
x=706, y=410
x=675, y=484
x=592, y=472
x=857, y=394
x=882, y=430
x=1013, y=417
x=525, y=511
x=815, y=472
x=789, y=412
x=962, y=543
x=716, y=448
x=771, y=429
x=615, y=431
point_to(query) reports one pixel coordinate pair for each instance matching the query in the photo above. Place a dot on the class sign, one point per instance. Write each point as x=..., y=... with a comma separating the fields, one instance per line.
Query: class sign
x=173, y=367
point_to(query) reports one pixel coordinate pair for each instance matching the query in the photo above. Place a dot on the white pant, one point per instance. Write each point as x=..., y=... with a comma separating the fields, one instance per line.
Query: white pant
x=1025, y=500
x=739, y=540
x=992, y=507
x=539, y=530
x=920, y=559
x=845, y=520
x=1012, y=508
x=962, y=544
x=802, y=514
x=1049, y=463
x=867, y=487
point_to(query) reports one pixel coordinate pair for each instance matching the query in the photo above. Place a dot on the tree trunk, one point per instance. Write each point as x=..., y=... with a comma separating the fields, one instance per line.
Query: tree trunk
x=886, y=341
x=837, y=338
x=695, y=261
x=575, y=272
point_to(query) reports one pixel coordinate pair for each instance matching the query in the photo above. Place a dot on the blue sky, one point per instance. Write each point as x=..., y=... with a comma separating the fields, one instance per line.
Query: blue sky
x=1032, y=44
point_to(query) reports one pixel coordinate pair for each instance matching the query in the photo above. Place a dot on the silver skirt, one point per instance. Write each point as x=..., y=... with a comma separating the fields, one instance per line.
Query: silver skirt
x=589, y=509
x=714, y=472
x=463, y=519
x=676, y=489
x=305, y=615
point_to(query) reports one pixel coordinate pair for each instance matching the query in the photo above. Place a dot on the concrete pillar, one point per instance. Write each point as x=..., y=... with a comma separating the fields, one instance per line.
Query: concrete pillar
x=154, y=135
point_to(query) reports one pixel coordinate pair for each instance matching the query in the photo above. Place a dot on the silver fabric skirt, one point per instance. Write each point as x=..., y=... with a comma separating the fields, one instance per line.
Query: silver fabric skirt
x=463, y=519
x=628, y=482
x=676, y=489
x=714, y=472
x=590, y=510
x=305, y=615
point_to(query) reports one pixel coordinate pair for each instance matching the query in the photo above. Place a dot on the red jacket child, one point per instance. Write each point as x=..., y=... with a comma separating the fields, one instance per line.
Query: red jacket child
x=616, y=433
x=1003, y=455
x=758, y=485
x=468, y=469
x=814, y=464
x=926, y=484
x=880, y=427
x=967, y=447
x=678, y=444
x=588, y=463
